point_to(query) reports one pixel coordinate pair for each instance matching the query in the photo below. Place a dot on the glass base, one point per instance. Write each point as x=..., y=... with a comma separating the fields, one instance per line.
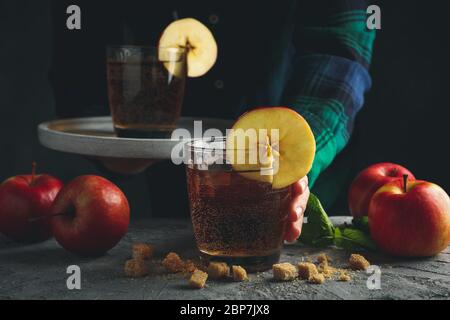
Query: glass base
x=250, y=263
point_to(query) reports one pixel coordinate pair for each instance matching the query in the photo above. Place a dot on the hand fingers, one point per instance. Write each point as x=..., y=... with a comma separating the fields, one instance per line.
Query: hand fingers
x=300, y=196
x=293, y=231
x=296, y=210
x=300, y=186
x=298, y=205
x=294, y=226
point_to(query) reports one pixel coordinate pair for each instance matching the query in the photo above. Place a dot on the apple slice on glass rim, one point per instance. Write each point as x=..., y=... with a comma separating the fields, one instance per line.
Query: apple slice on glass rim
x=191, y=34
x=279, y=146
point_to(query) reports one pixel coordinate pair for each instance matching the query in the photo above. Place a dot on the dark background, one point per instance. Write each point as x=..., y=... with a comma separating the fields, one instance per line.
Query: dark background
x=404, y=120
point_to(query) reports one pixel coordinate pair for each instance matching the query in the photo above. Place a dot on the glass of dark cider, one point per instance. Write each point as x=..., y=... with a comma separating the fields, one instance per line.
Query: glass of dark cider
x=145, y=89
x=235, y=219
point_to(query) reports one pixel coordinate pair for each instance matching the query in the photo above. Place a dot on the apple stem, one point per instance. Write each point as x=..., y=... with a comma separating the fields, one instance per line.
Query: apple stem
x=33, y=171
x=405, y=183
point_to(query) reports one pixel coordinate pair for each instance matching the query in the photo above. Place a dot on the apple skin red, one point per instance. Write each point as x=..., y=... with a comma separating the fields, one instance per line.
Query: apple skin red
x=368, y=181
x=411, y=224
x=96, y=217
x=23, y=198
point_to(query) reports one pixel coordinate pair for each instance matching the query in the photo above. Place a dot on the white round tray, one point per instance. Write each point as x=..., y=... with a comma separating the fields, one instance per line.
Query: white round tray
x=95, y=137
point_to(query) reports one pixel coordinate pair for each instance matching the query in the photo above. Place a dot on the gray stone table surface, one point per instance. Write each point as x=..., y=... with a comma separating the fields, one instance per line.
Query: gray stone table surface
x=39, y=272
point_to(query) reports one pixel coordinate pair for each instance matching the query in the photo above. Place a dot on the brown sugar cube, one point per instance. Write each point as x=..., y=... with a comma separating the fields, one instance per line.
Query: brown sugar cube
x=239, y=274
x=142, y=251
x=358, y=262
x=136, y=268
x=325, y=269
x=323, y=258
x=189, y=266
x=198, y=279
x=344, y=277
x=316, y=278
x=306, y=270
x=284, y=271
x=218, y=270
x=173, y=263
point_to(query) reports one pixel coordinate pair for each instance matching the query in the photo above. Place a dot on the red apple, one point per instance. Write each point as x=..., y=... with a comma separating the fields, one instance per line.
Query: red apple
x=410, y=219
x=369, y=181
x=91, y=215
x=25, y=202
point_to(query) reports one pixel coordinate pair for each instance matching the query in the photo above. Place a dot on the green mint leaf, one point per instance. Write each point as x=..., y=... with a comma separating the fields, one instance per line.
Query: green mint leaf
x=353, y=239
x=323, y=242
x=319, y=230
